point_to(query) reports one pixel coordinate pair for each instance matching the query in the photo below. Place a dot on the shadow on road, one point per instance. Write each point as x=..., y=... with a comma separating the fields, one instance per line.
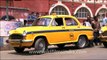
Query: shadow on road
x=50, y=50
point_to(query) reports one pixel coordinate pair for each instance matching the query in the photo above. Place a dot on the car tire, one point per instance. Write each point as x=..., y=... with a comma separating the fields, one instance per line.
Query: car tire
x=19, y=49
x=82, y=42
x=60, y=46
x=105, y=44
x=40, y=46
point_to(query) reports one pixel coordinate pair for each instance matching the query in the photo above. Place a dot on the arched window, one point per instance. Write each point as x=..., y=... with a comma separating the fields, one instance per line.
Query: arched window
x=60, y=10
x=101, y=12
x=82, y=13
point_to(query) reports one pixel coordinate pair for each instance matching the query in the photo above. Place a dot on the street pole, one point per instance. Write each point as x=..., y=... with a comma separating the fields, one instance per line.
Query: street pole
x=7, y=17
x=72, y=7
x=94, y=7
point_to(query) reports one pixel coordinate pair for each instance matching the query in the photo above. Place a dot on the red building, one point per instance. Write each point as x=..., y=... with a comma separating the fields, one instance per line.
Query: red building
x=80, y=8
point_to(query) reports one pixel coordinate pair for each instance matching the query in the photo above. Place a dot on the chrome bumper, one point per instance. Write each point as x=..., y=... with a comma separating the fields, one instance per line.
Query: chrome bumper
x=18, y=40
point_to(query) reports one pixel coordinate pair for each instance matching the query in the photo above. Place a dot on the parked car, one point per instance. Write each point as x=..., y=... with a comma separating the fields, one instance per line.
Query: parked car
x=103, y=36
x=51, y=30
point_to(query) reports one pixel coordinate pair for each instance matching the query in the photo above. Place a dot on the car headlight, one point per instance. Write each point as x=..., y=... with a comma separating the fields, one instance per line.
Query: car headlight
x=100, y=31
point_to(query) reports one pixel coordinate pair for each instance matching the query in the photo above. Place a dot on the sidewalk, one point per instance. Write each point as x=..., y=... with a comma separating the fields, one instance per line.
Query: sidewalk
x=3, y=44
x=6, y=47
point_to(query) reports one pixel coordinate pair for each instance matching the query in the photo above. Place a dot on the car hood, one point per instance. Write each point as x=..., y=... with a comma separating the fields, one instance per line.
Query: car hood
x=104, y=28
x=21, y=30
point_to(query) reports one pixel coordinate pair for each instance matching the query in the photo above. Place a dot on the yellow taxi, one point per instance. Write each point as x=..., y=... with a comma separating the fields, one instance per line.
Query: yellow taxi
x=51, y=30
x=103, y=36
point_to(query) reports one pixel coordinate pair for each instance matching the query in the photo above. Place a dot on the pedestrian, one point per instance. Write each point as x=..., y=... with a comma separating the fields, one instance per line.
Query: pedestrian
x=87, y=22
x=96, y=28
x=37, y=15
x=25, y=22
x=104, y=20
x=32, y=16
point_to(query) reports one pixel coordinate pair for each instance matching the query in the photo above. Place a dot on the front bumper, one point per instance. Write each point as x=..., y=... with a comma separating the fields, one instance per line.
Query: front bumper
x=20, y=43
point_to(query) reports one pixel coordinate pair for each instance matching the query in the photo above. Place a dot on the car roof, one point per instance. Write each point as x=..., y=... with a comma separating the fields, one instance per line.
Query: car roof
x=54, y=16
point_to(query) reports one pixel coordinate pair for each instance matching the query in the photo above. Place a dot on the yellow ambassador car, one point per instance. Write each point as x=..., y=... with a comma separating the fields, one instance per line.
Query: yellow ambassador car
x=51, y=30
x=103, y=36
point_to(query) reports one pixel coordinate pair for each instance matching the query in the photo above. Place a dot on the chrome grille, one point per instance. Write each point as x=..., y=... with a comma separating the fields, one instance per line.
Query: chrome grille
x=104, y=33
x=16, y=36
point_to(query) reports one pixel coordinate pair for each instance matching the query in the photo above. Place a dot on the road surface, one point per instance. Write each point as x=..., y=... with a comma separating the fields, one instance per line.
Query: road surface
x=97, y=52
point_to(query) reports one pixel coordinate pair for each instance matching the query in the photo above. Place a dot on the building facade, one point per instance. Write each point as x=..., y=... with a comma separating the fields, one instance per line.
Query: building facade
x=80, y=8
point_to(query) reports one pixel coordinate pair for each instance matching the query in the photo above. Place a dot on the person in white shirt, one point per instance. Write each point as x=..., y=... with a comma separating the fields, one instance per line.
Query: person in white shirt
x=104, y=20
x=87, y=21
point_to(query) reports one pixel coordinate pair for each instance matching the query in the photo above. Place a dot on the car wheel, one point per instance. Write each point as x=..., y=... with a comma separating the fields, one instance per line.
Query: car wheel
x=40, y=46
x=60, y=46
x=82, y=41
x=19, y=49
x=105, y=44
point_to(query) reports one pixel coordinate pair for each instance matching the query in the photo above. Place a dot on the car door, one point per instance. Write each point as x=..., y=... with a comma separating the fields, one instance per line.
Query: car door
x=73, y=26
x=59, y=33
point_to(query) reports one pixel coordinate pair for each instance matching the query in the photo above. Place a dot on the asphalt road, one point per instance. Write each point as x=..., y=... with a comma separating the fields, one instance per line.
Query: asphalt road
x=97, y=52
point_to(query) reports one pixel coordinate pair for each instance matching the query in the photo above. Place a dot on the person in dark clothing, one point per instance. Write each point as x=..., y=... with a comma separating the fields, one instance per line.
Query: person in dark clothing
x=96, y=27
x=88, y=22
x=25, y=21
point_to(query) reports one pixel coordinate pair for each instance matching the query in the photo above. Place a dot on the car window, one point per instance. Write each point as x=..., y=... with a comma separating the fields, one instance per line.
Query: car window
x=70, y=22
x=42, y=22
x=57, y=22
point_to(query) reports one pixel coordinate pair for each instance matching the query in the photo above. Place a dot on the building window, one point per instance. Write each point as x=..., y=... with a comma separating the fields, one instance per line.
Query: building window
x=75, y=0
x=99, y=1
x=82, y=13
x=101, y=12
x=59, y=10
x=105, y=1
x=11, y=3
x=90, y=1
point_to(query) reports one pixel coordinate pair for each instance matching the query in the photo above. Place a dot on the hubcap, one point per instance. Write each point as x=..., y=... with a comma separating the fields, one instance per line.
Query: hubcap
x=82, y=42
x=41, y=45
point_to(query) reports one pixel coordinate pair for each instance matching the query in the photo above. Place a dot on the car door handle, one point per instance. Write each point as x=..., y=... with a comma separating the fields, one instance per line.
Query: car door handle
x=71, y=35
x=78, y=26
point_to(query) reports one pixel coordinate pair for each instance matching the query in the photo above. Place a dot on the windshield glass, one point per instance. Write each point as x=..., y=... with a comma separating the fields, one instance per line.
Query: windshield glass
x=41, y=22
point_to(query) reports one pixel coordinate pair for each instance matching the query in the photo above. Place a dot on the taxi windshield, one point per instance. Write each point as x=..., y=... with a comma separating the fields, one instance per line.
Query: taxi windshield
x=42, y=22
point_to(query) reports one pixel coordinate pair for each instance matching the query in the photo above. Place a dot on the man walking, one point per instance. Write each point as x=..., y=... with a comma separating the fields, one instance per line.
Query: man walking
x=96, y=27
